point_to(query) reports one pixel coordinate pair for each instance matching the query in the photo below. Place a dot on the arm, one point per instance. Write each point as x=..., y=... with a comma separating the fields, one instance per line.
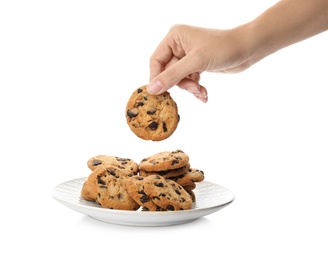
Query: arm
x=286, y=23
x=187, y=51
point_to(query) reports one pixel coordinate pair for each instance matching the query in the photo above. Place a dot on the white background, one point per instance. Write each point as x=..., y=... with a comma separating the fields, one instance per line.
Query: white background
x=67, y=69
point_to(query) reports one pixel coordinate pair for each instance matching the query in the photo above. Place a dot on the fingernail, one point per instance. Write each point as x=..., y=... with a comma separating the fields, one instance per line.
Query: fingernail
x=204, y=100
x=201, y=98
x=155, y=87
x=194, y=91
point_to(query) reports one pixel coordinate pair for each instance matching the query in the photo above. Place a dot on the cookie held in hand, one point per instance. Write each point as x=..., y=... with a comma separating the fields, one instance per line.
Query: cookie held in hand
x=152, y=117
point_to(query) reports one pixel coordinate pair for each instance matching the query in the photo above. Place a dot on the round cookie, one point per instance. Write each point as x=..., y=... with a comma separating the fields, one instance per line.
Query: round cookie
x=164, y=161
x=152, y=117
x=135, y=188
x=121, y=166
x=112, y=193
x=167, y=194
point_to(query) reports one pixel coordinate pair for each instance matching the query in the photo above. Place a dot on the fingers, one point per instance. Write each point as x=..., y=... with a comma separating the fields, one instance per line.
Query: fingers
x=189, y=84
x=170, y=65
x=171, y=76
x=199, y=91
x=202, y=96
x=167, y=52
x=159, y=60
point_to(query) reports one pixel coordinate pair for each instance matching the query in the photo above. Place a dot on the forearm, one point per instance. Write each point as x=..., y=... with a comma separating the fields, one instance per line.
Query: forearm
x=286, y=23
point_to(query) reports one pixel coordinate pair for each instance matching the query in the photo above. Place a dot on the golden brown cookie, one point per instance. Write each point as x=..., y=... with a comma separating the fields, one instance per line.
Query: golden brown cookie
x=166, y=193
x=135, y=188
x=112, y=193
x=163, y=161
x=120, y=166
x=152, y=117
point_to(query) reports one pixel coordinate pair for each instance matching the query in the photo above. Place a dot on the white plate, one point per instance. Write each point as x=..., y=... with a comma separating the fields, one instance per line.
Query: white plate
x=210, y=197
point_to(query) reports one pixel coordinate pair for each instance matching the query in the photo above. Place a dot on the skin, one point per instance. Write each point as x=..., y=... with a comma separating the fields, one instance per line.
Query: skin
x=187, y=51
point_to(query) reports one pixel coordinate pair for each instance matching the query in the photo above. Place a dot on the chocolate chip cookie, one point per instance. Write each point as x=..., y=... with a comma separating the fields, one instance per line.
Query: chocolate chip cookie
x=118, y=165
x=135, y=188
x=163, y=161
x=152, y=117
x=167, y=194
x=112, y=193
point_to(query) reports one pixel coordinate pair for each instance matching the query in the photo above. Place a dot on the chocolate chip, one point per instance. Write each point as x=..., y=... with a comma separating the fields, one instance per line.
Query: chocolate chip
x=160, y=184
x=133, y=112
x=170, y=207
x=153, y=125
x=96, y=162
x=123, y=159
x=111, y=172
x=144, y=199
x=164, y=127
x=151, y=111
x=139, y=90
x=175, y=162
x=141, y=192
x=100, y=181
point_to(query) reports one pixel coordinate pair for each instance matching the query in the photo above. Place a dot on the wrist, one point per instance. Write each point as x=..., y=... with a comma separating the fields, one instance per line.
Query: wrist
x=256, y=43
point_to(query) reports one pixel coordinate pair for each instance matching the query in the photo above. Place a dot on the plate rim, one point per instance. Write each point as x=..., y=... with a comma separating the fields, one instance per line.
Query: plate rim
x=115, y=212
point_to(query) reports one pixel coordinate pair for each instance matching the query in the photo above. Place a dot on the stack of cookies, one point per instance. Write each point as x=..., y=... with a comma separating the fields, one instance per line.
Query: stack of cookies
x=173, y=166
x=161, y=182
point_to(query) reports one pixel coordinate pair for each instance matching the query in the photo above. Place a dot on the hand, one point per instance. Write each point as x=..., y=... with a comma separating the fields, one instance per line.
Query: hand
x=187, y=51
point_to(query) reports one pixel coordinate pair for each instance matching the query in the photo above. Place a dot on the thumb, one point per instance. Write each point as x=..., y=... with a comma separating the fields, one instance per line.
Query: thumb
x=171, y=76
